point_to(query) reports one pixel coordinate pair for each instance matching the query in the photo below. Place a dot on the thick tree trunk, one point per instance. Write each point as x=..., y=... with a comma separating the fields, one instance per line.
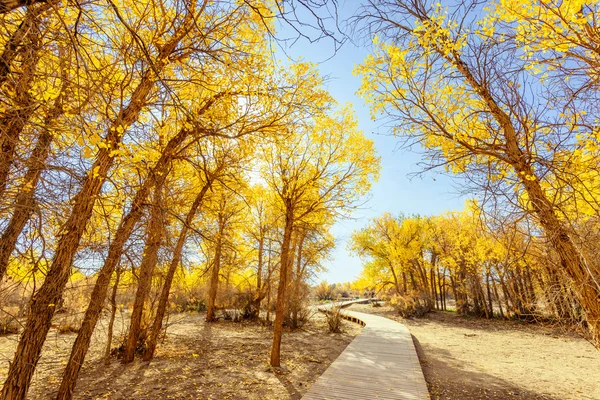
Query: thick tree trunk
x=559, y=235
x=164, y=296
x=113, y=314
x=281, y=289
x=25, y=201
x=14, y=121
x=154, y=238
x=26, y=32
x=50, y=293
x=7, y=6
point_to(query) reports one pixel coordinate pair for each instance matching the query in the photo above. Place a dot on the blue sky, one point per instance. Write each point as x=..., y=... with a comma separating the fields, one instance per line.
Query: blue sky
x=395, y=191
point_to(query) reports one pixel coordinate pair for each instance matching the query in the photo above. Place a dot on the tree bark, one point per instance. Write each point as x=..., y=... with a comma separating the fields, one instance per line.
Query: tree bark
x=281, y=289
x=259, y=288
x=14, y=121
x=113, y=313
x=560, y=237
x=175, y=261
x=115, y=251
x=7, y=6
x=26, y=32
x=214, y=276
x=149, y=260
x=50, y=293
x=25, y=200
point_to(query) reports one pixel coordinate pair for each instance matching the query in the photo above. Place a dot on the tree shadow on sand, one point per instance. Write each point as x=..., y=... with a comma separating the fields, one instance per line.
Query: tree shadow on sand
x=449, y=382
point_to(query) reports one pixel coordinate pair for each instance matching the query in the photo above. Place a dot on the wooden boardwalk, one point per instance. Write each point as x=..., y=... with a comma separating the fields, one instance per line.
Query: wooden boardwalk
x=380, y=363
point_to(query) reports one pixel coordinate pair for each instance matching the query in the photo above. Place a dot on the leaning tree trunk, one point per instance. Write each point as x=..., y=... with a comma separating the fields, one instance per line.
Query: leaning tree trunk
x=559, y=235
x=115, y=251
x=25, y=201
x=113, y=313
x=14, y=121
x=149, y=260
x=20, y=40
x=164, y=296
x=7, y=6
x=50, y=293
x=281, y=289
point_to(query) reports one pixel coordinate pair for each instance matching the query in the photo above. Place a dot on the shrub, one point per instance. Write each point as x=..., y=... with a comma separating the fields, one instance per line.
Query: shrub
x=411, y=305
x=194, y=304
x=297, y=318
x=69, y=324
x=325, y=291
x=9, y=322
x=140, y=349
x=334, y=319
x=9, y=325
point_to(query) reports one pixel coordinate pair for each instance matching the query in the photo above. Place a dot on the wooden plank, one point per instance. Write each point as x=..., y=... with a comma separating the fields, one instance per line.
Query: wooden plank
x=380, y=363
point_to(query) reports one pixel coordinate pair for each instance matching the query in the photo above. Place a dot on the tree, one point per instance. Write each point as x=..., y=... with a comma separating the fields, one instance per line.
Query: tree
x=320, y=167
x=425, y=58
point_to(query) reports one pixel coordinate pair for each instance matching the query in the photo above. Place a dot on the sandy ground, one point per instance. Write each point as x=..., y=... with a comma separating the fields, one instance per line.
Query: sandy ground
x=222, y=360
x=472, y=358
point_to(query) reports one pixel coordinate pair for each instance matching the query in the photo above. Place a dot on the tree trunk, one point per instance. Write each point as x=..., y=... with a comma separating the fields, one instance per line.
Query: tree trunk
x=259, y=289
x=14, y=121
x=559, y=235
x=433, y=287
x=295, y=297
x=164, y=296
x=154, y=239
x=489, y=293
x=115, y=251
x=7, y=6
x=50, y=293
x=26, y=32
x=281, y=289
x=495, y=286
x=214, y=277
x=441, y=289
x=113, y=313
x=25, y=200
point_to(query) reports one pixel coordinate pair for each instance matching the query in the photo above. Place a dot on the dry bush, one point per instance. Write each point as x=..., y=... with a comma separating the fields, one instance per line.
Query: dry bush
x=324, y=291
x=297, y=317
x=69, y=324
x=243, y=302
x=9, y=322
x=140, y=349
x=334, y=319
x=412, y=304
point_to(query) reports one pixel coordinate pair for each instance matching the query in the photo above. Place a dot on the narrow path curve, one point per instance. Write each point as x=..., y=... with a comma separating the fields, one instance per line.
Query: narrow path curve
x=380, y=363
